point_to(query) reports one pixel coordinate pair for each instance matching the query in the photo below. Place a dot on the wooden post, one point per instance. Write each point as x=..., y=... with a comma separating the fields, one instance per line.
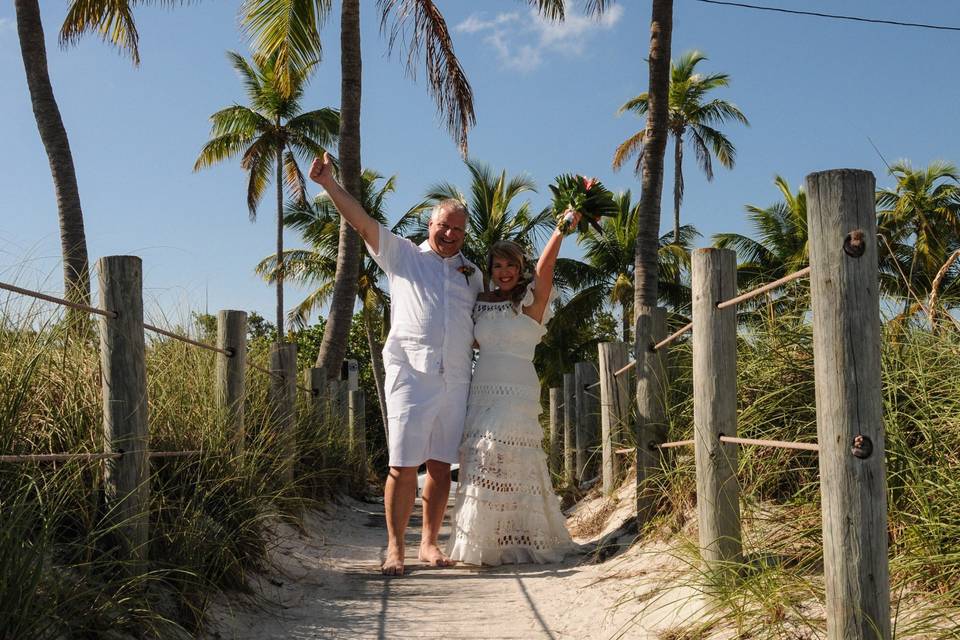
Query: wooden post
x=652, y=388
x=714, y=279
x=231, y=374
x=571, y=453
x=125, y=426
x=283, y=402
x=846, y=348
x=351, y=370
x=614, y=408
x=358, y=434
x=556, y=423
x=588, y=416
x=315, y=379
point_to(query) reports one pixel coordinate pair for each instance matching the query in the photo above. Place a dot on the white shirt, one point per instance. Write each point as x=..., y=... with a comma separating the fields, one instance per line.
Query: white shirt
x=431, y=302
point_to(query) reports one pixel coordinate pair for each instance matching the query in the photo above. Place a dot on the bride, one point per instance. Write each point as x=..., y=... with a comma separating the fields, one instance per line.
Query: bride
x=506, y=510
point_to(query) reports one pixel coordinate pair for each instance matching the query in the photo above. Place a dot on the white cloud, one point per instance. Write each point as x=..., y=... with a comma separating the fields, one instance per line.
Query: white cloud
x=521, y=42
x=475, y=23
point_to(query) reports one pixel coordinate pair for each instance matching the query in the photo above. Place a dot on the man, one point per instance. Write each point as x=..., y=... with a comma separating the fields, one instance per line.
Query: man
x=427, y=359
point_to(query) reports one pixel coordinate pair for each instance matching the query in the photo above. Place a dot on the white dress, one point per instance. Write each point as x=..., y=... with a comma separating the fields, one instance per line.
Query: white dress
x=505, y=510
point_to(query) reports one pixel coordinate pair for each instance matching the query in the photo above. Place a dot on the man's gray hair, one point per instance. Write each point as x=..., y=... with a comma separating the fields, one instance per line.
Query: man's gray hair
x=450, y=204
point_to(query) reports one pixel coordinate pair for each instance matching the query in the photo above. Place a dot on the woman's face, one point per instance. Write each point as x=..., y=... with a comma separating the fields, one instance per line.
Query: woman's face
x=505, y=273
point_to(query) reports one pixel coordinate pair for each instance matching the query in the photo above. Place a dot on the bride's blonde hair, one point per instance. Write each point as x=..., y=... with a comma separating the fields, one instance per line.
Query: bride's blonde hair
x=513, y=252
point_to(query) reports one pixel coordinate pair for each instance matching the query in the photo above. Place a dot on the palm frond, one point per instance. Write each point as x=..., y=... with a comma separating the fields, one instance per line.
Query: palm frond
x=113, y=21
x=287, y=31
x=447, y=81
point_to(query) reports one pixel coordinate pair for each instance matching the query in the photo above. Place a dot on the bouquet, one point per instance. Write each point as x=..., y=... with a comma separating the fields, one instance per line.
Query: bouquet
x=586, y=195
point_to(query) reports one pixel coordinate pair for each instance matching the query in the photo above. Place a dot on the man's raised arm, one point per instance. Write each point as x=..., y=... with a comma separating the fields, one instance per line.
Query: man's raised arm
x=321, y=172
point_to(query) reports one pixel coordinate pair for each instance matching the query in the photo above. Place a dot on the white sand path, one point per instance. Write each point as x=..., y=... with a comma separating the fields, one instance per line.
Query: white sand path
x=326, y=584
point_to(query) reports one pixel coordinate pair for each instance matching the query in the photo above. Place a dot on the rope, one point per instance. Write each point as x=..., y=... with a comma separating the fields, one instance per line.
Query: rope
x=226, y=352
x=60, y=457
x=60, y=301
x=673, y=336
x=266, y=371
x=678, y=443
x=65, y=457
x=173, y=454
x=780, y=444
x=796, y=275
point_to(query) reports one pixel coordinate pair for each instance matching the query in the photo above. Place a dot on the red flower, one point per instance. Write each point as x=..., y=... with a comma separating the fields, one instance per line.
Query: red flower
x=588, y=182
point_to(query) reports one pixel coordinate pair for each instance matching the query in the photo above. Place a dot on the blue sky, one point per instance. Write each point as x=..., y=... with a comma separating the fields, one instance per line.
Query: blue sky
x=546, y=98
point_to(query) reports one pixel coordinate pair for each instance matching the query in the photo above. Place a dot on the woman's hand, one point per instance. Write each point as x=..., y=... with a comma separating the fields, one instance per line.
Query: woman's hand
x=321, y=170
x=572, y=217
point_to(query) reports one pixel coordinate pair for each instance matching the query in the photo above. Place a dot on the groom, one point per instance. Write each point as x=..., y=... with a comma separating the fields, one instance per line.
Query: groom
x=427, y=359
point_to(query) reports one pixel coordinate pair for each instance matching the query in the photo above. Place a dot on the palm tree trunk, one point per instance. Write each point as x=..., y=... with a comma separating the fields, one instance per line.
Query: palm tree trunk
x=376, y=363
x=625, y=320
x=648, y=229
x=281, y=334
x=677, y=184
x=73, y=242
x=334, y=344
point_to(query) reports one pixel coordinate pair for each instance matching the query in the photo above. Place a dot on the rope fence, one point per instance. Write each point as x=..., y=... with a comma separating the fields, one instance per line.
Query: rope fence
x=60, y=301
x=846, y=326
x=753, y=293
x=68, y=457
x=778, y=444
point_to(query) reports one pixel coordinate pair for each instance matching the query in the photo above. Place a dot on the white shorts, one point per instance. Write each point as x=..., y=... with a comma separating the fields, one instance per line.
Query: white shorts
x=425, y=415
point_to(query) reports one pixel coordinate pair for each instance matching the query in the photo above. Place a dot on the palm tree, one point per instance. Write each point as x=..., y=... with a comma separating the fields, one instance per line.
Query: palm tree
x=689, y=113
x=609, y=266
x=491, y=212
x=73, y=242
x=655, y=142
x=780, y=247
x=319, y=223
x=269, y=135
x=920, y=220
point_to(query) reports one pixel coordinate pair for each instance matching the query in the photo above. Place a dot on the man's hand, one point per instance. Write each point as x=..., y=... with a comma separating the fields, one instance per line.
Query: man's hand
x=321, y=170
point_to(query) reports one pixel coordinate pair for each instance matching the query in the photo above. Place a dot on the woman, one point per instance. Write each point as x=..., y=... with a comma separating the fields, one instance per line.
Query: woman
x=505, y=508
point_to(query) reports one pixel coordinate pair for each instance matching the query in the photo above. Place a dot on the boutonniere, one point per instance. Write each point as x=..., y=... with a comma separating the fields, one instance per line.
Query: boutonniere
x=466, y=270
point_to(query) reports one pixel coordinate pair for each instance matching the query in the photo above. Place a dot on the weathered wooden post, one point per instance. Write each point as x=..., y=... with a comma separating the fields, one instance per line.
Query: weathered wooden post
x=614, y=408
x=358, y=433
x=231, y=373
x=571, y=453
x=283, y=402
x=315, y=379
x=714, y=279
x=124, y=371
x=651, y=394
x=588, y=416
x=556, y=425
x=846, y=348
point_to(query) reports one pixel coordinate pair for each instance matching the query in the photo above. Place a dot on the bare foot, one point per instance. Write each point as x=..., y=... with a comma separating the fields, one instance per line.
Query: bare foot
x=393, y=565
x=431, y=554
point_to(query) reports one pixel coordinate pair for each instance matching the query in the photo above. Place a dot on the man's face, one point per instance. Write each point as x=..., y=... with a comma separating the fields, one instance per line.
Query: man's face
x=446, y=231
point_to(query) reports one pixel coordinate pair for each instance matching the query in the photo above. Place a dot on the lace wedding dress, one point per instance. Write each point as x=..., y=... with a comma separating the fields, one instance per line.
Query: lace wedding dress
x=505, y=510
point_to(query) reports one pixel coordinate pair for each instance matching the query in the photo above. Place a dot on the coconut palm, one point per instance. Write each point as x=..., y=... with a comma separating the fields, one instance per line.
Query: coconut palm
x=269, y=135
x=492, y=213
x=646, y=261
x=690, y=115
x=316, y=267
x=53, y=135
x=779, y=247
x=920, y=221
x=608, y=269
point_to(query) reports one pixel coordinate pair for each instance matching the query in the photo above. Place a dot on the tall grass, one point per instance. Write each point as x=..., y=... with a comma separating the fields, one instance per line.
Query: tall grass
x=779, y=591
x=211, y=514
